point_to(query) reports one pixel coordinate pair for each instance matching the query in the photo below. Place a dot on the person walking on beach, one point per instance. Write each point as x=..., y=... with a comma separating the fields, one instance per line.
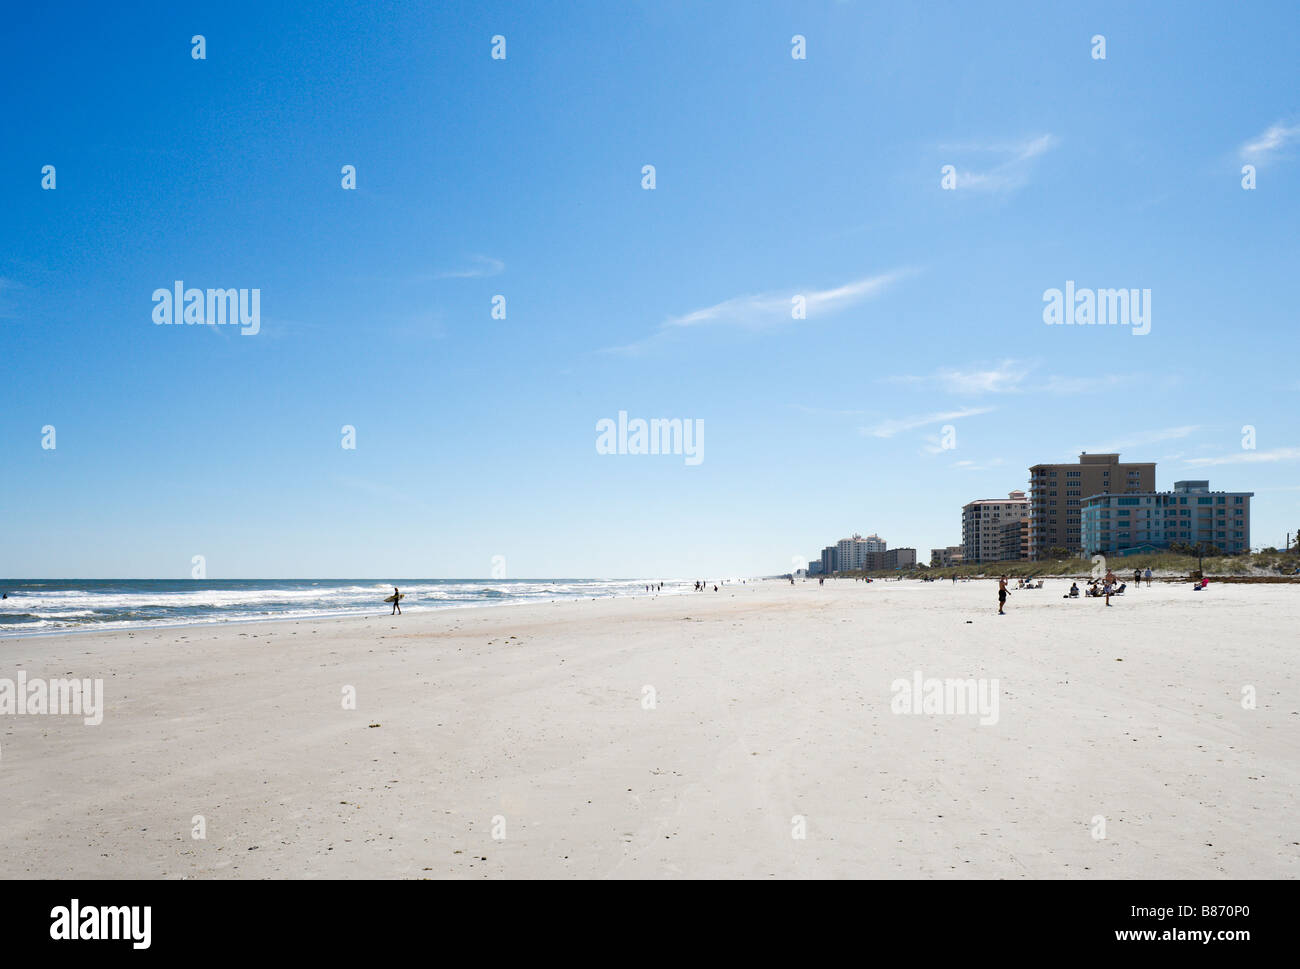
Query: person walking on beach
x=1147, y=575
x=1109, y=588
x=397, y=603
x=1002, y=594
x=1137, y=577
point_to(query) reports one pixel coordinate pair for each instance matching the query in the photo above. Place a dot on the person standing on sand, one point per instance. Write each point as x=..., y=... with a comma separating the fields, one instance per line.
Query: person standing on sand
x=1147, y=575
x=397, y=603
x=1109, y=586
x=1137, y=577
x=1002, y=594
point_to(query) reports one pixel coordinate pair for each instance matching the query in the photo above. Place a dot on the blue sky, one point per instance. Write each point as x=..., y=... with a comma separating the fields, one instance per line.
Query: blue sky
x=775, y=177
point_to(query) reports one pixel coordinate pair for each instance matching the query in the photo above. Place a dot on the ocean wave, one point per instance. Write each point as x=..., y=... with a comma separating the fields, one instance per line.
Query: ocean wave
x=52, y=606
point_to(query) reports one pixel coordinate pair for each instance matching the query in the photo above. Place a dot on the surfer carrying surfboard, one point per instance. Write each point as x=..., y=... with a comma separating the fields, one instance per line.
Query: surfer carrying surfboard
x=397, y=603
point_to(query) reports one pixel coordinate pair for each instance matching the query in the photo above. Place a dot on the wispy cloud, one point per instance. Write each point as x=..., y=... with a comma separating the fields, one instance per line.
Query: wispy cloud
x=1008, y=174
x=773, y=309
x=1144, y=439
x=1249, y=457
x=1006, y=377
x=976, y=465
x=888, y=428
x=1264, y=146
x=480, y=266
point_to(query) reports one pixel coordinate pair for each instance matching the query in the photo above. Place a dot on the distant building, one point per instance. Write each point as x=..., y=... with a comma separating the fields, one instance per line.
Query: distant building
x=852, y=552
x=830, y=560
x=991, y=528
x=942, y=558
x=815, y=567
x=1014, y=544
x=1191, y=514
x=1056, y=493
x=900, y=558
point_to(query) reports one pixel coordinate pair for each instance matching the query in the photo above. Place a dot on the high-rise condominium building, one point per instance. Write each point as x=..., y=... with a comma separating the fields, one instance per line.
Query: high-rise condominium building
x=1056, y=493
x=991, y=527
x=851, y=553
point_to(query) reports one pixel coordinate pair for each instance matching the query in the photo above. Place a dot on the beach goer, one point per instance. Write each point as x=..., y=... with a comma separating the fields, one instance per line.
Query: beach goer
x=1074, y=590
x=1002, y=594
x=1137, y=577
x=1108, y=591
x=397, y=603
x=1147, y=576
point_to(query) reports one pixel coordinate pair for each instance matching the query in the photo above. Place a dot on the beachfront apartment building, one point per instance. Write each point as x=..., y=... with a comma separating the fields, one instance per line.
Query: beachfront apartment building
x=1191, y=514
x=1015, y=540
x=830, y=560
x=894, y=558
x=852, y=553
x=942, y=558
x=991, y=528
x=1057, y=491
x=870, y=554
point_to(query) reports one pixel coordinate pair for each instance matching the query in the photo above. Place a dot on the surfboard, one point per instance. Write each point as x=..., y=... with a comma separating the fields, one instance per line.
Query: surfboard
x=400, y=595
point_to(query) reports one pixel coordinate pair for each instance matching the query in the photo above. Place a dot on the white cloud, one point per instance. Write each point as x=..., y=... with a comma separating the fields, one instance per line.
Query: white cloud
x=976, y=466
x=772, y=309
x=1007, y=377
x=1144, y=439
x=482, y=266
x=1249, y=457
x=889, y=428
x=1264, y=146
x=1011, y=173
x=769, y=308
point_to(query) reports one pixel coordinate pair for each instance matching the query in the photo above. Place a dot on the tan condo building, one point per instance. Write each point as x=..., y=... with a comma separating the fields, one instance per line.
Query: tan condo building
x=1056, y=493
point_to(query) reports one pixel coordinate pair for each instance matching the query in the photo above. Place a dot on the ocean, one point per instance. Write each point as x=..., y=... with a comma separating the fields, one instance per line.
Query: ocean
x=68, y=605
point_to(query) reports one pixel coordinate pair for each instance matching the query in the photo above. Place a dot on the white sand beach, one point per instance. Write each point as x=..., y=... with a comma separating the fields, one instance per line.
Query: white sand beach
x=771, y=703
